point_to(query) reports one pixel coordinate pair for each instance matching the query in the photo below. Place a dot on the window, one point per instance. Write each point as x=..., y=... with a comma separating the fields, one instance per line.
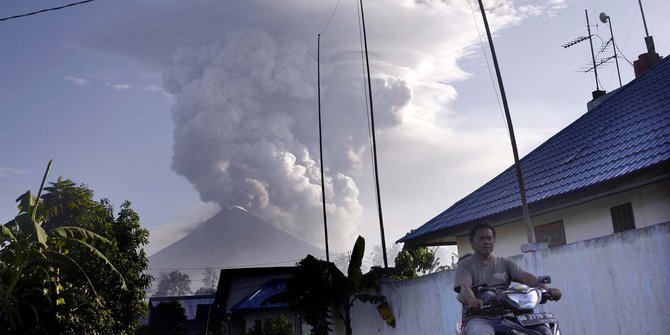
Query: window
x=552, y=233
x=622, y=217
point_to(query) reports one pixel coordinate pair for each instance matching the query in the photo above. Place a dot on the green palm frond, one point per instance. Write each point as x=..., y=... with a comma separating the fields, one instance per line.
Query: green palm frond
x=26, y=202
x=90, y=240
x=6, y=234
x=82, y=235
x=63, y=259
x=31, y=228
x=354, y=273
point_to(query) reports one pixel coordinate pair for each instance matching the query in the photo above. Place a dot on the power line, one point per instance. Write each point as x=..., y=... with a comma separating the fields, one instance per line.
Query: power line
x=488, y=66
x=226, y=267
x=45, y=10
x=293, y=261
x=331, y=18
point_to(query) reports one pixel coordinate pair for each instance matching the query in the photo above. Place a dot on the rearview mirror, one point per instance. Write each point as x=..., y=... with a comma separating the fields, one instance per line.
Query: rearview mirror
x=544, y=280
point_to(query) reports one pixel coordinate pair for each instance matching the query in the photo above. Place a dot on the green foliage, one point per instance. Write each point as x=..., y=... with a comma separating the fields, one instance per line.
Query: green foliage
x=354, y=273
x=279, y=326
x=414, y=260
x=317, y=286
x=168, y=318
x=67, y=266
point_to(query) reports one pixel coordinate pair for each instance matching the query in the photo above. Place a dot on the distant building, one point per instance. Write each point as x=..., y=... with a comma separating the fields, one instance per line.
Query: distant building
x=607, y=172
x=240, y=295
x=198, y=309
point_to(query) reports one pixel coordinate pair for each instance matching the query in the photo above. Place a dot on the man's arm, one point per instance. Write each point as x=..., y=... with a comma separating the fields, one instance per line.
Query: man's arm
x=530, y=280
x=467, y=297
x=463, y=286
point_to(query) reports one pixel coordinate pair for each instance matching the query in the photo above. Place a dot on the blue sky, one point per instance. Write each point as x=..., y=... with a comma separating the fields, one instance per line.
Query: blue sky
x=104, y=88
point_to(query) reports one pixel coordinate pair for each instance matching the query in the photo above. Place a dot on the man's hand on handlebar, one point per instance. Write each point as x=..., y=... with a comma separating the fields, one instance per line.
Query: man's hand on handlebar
x=555, y=293
x=477, y=303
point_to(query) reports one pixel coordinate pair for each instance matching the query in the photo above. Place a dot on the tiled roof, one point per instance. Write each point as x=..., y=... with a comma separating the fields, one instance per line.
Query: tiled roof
x=255, y=299
x=627, y=132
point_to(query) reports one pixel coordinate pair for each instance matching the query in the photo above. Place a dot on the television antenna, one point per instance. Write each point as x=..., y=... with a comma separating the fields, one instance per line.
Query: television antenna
x=604, y=18
x=595, y=64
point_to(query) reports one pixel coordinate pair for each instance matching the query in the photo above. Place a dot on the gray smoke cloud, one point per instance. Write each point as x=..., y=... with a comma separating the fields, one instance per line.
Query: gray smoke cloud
x=246, y=131
x=243, y=75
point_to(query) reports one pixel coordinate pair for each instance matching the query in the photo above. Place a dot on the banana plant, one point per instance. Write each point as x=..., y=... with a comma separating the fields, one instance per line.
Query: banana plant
x=34, y=259
x=318, y=286
x=357, y=281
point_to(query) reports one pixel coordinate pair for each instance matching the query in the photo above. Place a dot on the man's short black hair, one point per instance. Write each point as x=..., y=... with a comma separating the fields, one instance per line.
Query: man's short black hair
x=483, y=225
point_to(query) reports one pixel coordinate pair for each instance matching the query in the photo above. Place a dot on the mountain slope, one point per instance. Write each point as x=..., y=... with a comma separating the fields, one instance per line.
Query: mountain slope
x=233, y=238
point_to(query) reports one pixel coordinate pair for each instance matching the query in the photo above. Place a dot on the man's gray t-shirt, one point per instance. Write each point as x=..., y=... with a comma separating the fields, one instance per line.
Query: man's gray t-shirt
x=498, y=273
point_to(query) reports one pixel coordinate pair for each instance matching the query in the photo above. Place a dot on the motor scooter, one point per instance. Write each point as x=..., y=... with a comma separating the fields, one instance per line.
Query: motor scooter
x=515, y=308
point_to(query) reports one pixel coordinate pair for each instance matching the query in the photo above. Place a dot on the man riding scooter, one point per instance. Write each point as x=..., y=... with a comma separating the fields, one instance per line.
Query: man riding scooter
x=484, y=269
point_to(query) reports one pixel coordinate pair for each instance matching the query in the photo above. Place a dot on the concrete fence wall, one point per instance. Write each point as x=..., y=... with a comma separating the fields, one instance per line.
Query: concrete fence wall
x=617, y=284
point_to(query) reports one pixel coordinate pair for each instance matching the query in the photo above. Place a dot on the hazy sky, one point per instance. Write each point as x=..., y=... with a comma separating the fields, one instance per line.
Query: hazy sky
x=184, y=107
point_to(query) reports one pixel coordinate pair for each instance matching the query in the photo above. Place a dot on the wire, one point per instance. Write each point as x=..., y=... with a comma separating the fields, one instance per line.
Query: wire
x=366, y=94
x=226, y=267
x=331, y=18
x=239, y=266
x=44, y=10
x=623, y=56
x=488, y=65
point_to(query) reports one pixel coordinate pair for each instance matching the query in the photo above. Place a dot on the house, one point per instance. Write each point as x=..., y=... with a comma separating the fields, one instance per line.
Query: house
x=198, y=309
x=607, y=172
x=240, y=294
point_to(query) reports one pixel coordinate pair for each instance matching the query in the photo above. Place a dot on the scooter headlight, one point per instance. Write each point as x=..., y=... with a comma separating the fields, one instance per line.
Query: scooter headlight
x=525, y=300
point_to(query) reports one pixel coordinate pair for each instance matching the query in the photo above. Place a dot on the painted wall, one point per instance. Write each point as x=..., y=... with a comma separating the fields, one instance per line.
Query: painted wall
x=615, y=284
x=651, y=205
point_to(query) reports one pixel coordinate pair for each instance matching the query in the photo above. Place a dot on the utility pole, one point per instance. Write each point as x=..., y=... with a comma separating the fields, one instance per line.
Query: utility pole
x=374, y=143
x=517, y=165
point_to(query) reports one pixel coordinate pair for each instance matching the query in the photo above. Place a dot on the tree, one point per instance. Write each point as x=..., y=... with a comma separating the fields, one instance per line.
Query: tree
x=378, y=256
x=122, y=308
x=209, y=281
x=168, y=318
x=317, y=285
x=56, y=263
x=173, y=283
x=412, y=260
x=279, y=326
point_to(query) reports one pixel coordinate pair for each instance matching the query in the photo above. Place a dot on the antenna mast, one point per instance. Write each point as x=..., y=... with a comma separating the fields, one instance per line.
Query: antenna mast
x=646, y=60
x=374, y=142
x=323, y=189
x=649, y=40
x=597, y=93
x=604, y=18
x=517, y=164
x=593, y=57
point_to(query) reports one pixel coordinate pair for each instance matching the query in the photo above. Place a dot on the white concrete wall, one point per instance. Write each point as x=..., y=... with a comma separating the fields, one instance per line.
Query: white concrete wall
x=651, y=205
x=617, y=284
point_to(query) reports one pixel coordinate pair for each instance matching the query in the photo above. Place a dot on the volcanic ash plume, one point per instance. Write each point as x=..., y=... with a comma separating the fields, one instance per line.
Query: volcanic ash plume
x=246, y=134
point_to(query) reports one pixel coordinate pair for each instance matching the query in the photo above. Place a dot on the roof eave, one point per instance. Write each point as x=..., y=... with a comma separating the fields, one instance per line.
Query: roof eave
x=650, y=175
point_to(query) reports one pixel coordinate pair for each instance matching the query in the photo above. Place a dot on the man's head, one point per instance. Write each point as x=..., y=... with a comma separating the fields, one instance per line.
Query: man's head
x=482, y=238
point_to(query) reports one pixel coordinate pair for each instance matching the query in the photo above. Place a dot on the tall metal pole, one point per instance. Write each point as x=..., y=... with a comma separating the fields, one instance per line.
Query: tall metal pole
x=616, y=59
x=648, y=40
x=644, y=20
x=593, y=56
x=517, y=164
x=323, y=189
x=374, y=144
